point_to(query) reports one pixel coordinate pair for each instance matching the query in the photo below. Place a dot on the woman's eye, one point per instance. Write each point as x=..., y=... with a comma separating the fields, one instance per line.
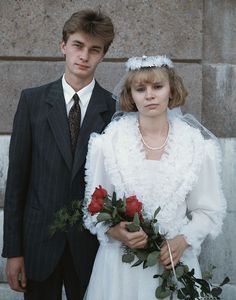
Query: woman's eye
x=140, y=89
x=158, y=86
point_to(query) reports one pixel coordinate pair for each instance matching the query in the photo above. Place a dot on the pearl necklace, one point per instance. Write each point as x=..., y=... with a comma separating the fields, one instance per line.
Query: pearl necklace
x=156, y=148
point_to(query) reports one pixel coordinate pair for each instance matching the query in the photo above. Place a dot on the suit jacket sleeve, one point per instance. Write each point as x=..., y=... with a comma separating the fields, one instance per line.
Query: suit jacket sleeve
x=17, y=181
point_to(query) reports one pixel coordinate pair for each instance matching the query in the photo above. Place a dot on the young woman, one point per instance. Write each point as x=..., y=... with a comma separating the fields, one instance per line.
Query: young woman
x=165, y=159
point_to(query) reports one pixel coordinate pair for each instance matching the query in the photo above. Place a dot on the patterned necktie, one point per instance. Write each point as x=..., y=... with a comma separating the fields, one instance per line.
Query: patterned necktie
x=74, y=122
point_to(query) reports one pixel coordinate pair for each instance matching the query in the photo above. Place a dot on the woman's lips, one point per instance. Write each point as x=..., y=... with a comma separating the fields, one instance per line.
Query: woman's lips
x=154, y=105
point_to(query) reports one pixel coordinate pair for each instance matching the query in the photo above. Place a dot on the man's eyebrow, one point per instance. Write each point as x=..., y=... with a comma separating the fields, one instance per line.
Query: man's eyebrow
x=77, y=42
x=96, y=46
x=81, y=43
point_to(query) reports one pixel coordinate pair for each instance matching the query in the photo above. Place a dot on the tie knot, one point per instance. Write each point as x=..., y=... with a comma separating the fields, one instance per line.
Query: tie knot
x=76, y=98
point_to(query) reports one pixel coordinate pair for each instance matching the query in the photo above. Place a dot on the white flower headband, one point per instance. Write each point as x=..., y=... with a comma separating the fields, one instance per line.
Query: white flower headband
x=136, y=63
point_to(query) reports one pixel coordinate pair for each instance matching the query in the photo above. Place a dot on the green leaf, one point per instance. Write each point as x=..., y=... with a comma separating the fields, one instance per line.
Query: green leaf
x=103, y=217
x=216, y=291
x=207, y=275
x=136, y=220
x=161, y=293
x=186, y=268
x=132, y=227
x=114, y=213
x=181, y=294
x=128, y=258
x=152, y=258
x=205, y=286
x=107, y=206
x=179, y=271
x=156, y=212
x=138, y=262
x=166, y=274
x=113, y=199
x=225, y=281
x=141, y=254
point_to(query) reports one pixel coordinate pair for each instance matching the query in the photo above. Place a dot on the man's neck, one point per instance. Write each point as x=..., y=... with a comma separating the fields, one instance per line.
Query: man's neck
x=77, y=83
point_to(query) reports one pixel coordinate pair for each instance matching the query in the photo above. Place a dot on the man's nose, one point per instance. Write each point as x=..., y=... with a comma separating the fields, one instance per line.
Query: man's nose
x=84, y=55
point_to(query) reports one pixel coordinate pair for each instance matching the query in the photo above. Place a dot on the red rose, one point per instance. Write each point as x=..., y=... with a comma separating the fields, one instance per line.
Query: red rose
x=133, y=206
x=99, y=192
x=95, y=205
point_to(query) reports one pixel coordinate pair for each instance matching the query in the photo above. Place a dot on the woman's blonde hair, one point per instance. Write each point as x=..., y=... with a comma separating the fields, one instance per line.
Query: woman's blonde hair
x=150, y=75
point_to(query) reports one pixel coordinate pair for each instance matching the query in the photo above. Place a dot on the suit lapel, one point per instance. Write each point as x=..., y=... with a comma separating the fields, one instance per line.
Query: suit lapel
x=57, y=119
x=93, y=122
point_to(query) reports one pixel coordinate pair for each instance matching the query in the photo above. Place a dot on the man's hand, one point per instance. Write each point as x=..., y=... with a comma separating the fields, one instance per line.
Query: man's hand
x=177, y=247
x=134, y=240
x=15, y=270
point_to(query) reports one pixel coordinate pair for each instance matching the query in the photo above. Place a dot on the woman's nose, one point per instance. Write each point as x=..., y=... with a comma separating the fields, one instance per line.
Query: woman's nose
x=149, y=93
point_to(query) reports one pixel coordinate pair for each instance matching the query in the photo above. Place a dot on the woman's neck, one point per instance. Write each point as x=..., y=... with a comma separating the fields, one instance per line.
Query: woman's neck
x=154, y=135
x=154, y=126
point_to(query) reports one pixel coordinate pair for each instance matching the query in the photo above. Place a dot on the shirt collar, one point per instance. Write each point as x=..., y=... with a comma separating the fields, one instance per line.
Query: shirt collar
x=84, y=94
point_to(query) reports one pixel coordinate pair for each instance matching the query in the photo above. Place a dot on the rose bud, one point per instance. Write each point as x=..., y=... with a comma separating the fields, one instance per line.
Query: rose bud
x=99, y=192
x=95, y=205
x=133, y=206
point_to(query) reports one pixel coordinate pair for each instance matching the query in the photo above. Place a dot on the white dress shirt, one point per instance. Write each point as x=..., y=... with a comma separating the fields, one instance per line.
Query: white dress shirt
x=84, y=96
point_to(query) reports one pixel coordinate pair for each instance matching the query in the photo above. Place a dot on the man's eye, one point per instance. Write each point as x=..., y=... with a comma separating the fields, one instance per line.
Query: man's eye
x=95, y=50
x=78, y=46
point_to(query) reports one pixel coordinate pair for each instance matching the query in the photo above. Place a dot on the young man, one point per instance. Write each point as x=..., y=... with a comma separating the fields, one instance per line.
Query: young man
x=48, y=148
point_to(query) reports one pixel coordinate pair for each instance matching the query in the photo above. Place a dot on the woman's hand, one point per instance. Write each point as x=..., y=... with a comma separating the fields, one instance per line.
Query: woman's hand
x=177, y=247
x=134, y=240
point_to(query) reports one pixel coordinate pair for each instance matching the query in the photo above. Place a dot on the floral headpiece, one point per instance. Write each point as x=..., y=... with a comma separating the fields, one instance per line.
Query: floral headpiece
x=136, y=63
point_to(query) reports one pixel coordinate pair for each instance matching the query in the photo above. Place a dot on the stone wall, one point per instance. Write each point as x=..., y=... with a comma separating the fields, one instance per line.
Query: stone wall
x=200, y=37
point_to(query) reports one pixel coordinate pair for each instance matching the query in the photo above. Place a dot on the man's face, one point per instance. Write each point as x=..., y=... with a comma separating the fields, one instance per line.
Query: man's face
x=83, y=53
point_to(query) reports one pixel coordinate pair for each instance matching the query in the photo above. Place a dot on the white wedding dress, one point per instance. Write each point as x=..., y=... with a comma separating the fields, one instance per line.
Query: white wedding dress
x=186, y=179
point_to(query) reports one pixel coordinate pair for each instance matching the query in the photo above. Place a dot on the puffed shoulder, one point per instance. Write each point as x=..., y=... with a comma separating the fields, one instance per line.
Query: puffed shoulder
x=213, y=158
x=95, y=140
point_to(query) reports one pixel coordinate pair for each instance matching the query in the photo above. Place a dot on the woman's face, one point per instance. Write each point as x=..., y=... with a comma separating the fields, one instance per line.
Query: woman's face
x=151, y=95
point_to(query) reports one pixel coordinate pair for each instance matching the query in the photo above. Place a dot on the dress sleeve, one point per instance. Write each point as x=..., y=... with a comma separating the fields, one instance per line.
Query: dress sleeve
x=95, y=175
x=206, y=203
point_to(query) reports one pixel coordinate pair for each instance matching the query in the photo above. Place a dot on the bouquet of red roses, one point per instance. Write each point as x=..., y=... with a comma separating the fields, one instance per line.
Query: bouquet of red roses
x=180, y=279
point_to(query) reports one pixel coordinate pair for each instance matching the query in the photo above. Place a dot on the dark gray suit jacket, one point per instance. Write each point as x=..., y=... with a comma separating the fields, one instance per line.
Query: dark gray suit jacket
x=43, y=177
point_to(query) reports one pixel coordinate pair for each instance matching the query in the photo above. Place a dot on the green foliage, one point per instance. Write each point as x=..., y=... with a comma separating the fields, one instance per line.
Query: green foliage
x=66, y=217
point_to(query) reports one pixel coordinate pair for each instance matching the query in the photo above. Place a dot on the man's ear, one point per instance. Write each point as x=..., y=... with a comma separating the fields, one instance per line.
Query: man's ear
x=63, y=48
